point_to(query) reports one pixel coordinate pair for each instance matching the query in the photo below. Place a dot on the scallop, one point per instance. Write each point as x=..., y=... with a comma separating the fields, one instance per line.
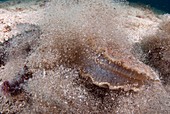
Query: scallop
x=108, y=68
x=124, y=73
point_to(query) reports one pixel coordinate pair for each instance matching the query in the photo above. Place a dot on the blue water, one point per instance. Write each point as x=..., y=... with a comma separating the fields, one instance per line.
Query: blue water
x=3, y=0
x=162, y=5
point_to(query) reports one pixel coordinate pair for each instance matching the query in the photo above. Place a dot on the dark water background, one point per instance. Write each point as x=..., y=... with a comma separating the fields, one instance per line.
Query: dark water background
x=157, y=5
x=162, y=5
x=3, y=0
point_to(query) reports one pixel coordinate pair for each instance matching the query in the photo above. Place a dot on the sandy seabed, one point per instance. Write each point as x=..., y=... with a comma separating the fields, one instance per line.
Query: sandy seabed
x=32, y=34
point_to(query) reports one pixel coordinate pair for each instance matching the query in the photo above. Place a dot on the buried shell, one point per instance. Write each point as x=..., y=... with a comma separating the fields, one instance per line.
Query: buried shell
x=107, y=71
x=107, y=67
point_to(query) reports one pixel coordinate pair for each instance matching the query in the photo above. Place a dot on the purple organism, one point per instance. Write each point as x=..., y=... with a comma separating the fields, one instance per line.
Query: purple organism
x=14, y=87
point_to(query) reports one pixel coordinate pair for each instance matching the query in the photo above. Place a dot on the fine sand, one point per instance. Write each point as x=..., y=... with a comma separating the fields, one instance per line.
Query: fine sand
x=30, y=35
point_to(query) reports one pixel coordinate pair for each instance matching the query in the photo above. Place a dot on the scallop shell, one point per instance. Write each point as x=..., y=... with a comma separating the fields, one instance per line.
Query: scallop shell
x=126, y=73
x=106, y=66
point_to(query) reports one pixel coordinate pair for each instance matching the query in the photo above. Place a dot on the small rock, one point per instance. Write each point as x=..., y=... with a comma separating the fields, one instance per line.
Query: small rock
x=1, y=21
x=7, y=28
x=19, y=9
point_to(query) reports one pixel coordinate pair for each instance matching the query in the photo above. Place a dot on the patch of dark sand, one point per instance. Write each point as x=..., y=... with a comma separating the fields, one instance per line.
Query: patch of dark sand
x=61, y=90
x=156, y=49
x=16, y=49
x=13, y=54
x=64, y=91
x=56, y=88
